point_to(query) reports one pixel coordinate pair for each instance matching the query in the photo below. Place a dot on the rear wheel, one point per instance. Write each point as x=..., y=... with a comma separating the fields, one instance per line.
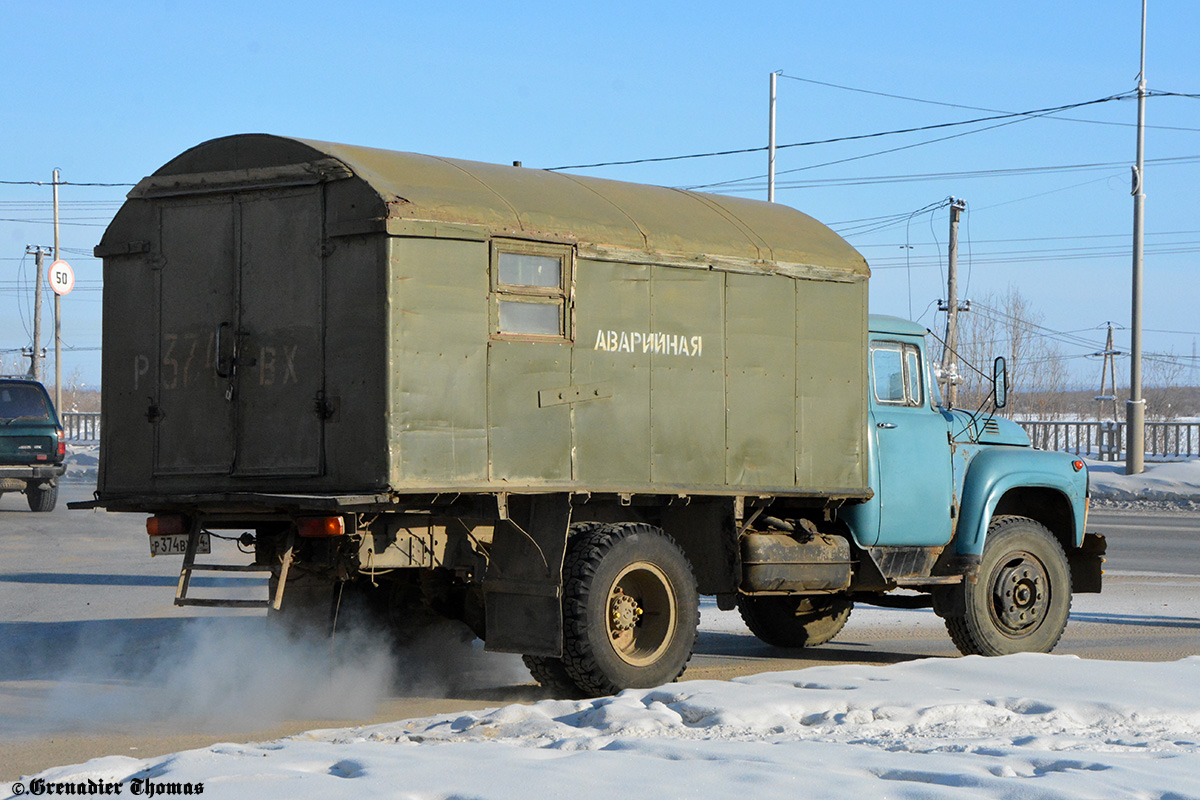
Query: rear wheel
x=1022, y=598
x=630, y=609
x=549, y=671
x=792, y=621
x=42, y=497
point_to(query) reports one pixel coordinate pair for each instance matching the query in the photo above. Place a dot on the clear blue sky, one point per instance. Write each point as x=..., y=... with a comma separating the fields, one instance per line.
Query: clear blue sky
x=108, y=92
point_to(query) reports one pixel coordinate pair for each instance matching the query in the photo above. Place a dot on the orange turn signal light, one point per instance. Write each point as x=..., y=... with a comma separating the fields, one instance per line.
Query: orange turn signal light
x=1077, y=464
x=166, y=524
x=321, y=526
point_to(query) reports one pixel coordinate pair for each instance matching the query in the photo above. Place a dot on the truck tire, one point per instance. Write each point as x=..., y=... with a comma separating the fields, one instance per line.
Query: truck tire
x=549, y=671
x=1022, y=598
x=783, y=621
x=630, y=609
x=551, y=675
x=41, y=497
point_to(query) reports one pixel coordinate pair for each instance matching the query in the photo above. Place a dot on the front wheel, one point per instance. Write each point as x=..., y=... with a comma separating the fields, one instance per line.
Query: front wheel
x=1022, y=597
x=630, y=609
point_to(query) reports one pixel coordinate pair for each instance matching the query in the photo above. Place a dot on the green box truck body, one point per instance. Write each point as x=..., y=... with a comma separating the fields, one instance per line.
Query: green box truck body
x=492, y=385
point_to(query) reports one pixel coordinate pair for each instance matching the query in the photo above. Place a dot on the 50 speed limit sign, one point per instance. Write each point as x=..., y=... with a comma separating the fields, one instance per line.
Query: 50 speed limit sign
x=62, y=277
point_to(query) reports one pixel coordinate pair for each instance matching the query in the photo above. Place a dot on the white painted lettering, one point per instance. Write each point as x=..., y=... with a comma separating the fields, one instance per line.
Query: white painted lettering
x=672, y=344
x=289, y=372
x=141, y=365
x=266, y=368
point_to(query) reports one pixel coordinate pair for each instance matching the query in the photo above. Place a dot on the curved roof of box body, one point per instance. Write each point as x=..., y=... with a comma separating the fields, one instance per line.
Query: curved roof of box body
x=530, y=203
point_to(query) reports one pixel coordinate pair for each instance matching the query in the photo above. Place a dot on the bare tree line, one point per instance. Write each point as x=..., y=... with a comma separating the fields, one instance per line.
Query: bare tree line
x=1040, y=373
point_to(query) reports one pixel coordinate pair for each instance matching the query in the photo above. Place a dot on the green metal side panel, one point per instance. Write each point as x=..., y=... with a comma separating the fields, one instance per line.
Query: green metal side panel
x=687, y=377
x=760, y=397
x=831, y=418
x=612, y=356
x=438, y=366
x=527, y=444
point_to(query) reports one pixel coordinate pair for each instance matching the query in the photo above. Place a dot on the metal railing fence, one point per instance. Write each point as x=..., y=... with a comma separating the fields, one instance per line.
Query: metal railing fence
x=1106, y=440
x=81, y=426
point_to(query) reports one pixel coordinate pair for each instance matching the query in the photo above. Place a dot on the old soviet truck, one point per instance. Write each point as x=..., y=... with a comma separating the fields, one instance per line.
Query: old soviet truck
x=556, y=408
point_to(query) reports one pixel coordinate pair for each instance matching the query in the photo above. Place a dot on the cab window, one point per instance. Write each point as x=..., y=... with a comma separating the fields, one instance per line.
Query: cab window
x=896, y=374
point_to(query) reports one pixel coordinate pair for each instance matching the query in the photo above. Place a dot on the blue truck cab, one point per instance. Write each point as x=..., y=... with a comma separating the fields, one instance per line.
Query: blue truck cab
x=965, y=509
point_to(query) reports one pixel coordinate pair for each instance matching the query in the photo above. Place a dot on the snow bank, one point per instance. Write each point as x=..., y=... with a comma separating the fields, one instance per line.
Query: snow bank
x=83, y=462
x=1025, y=726
x=1175, y=480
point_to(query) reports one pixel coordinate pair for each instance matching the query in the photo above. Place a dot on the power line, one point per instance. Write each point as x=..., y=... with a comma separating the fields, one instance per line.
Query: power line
x=989, y=110
x=1054, y=238
x=874, y=180
x=1032, y=114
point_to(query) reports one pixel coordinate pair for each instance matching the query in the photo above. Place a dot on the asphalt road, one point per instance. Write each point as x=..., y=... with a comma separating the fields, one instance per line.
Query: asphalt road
x=1150, y=543
x=90, y=643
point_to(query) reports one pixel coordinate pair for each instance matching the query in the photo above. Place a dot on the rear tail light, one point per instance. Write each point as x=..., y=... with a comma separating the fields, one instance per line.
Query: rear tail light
x=166, y=523
x=321, y=526
x=62, y=445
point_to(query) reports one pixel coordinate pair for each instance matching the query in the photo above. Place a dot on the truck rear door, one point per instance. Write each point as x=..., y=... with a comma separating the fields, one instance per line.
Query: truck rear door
x=240, y=322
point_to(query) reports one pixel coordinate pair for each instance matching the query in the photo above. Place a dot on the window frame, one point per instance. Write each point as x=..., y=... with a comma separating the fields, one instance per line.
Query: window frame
x=561, y=296
x=908, y=352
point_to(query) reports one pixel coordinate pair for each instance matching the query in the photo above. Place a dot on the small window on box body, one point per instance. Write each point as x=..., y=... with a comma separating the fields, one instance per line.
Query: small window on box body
x=531, y=291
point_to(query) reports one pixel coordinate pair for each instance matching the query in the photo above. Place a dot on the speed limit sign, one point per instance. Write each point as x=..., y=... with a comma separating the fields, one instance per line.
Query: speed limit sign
x=62, y=277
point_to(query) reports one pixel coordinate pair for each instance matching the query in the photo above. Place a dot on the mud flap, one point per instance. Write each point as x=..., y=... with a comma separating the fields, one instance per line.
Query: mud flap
x=1087, y=564
x=523, y=585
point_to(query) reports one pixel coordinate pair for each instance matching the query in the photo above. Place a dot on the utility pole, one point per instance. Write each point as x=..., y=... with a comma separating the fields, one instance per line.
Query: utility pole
x=1108, y=371
x=57, y=312
x=1135, y=407
x=35, y=355
x=771, y=144
x=951, y=307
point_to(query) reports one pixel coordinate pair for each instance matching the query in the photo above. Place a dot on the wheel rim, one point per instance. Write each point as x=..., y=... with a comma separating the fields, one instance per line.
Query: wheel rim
x=640, y=614
x=1020, y=594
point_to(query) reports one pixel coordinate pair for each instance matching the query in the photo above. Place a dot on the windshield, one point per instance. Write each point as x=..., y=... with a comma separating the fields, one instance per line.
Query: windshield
x=23, y=402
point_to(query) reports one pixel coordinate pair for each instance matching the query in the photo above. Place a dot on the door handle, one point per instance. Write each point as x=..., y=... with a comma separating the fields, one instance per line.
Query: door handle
x=221, y=373
x=885, y=425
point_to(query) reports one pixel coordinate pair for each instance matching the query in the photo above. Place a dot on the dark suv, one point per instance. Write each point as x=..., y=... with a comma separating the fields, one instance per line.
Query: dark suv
x=32, y=446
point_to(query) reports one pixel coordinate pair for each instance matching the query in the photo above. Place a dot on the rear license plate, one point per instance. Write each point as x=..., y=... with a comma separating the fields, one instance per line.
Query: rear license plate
x=175, y=544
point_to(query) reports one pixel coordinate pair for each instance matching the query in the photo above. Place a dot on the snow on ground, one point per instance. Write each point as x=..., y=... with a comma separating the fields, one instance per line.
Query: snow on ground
x=1025, y=726
x=1170, y=481
x=83, y=462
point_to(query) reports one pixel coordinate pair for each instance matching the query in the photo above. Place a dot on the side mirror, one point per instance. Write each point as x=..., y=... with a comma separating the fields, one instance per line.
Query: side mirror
x=1000, y=381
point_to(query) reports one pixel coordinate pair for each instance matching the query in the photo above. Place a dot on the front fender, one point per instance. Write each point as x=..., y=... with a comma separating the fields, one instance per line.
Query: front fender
x=995, y=471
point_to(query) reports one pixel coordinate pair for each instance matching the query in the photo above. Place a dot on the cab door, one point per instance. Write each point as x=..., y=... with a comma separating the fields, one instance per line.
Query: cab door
x=912, y=448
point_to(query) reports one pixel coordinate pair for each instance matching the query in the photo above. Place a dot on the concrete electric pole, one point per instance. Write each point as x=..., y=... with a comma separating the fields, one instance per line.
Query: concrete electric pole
x=771, y=143
x=35, y=354
x=1135, y=407
x=57, y=312
x=951, y=307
